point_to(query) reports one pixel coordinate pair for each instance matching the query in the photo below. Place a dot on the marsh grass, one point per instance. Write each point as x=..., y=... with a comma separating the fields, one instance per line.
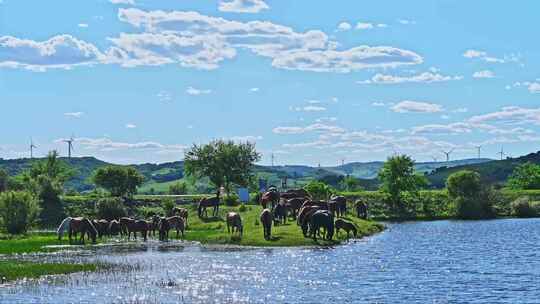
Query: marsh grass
x=31, y=242
x=12, y=270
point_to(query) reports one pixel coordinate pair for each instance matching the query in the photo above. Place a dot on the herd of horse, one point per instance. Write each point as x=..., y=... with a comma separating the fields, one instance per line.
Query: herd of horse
x=316, y=218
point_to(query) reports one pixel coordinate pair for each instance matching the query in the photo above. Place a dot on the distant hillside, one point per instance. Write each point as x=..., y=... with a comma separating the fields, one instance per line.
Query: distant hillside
x=160, y=176
x=492, y=172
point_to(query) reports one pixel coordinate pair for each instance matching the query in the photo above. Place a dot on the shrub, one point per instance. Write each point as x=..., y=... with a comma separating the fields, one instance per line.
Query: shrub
x=168, y=206
x=110, y=208
x=524, y=207
x=318, y=190
x=18, y=210
x=231, y=200
x=472, y=201
x=178, y=188
x=242, y=208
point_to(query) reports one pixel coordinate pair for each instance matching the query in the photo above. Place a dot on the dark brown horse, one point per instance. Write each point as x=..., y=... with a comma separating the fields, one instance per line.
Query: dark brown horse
x=206, y=203
x=234, y=221
x=295, y=193
x=271, y=197
x=176, y=223
x=114, y=228
x=280, y=214
x=163, y=228
x=138, y=226
x=304, y=218
x=294, y=205
x=361, y=209
x=266, y=221
x=347, y=226
x=183, y=213
x=322, y=219
x=341, y=205
x=154, y=225
x=124, y=223
x=102, y=227
x=84, y=226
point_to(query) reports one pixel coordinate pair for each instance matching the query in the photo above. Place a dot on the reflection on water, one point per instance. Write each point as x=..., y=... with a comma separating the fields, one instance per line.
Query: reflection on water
x=427, y=262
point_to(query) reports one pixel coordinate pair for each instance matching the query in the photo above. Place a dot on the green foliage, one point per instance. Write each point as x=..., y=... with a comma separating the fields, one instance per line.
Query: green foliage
x=223, y=162
x=472, y=201
x=18, y=211
x=168, y=206
x=464, y=184
x=119, y=181
x=231, y=200
x=525, y=177
x=4, y=178
x=524, y=207
x=178, y=188
x=350, y=183
x=242, y=208
x=319, y=190
x=16, y=269
x=110, y=208
x=398, y=179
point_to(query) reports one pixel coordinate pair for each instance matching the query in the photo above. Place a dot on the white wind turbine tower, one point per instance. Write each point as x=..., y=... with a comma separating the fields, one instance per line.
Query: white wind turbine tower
x=479, y=148
x=501, y=153
x=32, y=147
x=70, y=142
x=448, y=153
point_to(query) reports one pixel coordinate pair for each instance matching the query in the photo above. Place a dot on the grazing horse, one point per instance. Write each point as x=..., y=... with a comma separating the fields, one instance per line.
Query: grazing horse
x=294, y=205
x=138, y=226
x=295, y=193
x=266, y=221
x=361, y=209
x=124, y=222
x=208, y=202
x=322, y=219
x=271, y=197
x=341, y=205
x=114, y=228
x=181, y=212
x=164, y=228
x=84, y=226
x=154, y=225
x=102, y=227
x=234, y=221
x=177, y=223
x=347, y=226
x=332, y=207
x=304, y=218
x=280, y=214
x=63, y=227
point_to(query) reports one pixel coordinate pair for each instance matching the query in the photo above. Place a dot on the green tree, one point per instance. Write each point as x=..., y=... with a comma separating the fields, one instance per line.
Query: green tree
x=46, y=179
x=4, y=179
x=472, y=200
x=319, y=190
x=350, y=183
x=18, y=211
x=224, y=162
x=119, y=181
x=525, y=177
x=178, y=188
x=399, y=179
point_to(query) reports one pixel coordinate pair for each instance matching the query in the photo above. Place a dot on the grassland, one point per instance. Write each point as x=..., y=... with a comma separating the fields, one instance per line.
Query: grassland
x=12, y=269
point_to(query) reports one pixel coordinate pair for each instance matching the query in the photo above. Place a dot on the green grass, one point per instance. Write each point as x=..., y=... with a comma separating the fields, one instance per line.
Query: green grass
x=214, y=231
x=32, y=242
x=13, y=270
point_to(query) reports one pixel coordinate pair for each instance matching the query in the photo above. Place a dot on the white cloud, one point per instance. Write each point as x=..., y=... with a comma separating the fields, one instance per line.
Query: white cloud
x=128, y=2
x=344, y=26
x=309, y=109
x=308, y=51
x=378, y=104
x=534, y=87
x=484, y=74
x=461, y=110
x=248, y=138
x=84, y=25
x=426, y=77
x=254, y=90
x=408, y=106
x=406, y=21
x=74, y=114
x=454, y=128
x=63, y=51
x=482, y=56
x=364, y=26
x=510, y=115
x=382, y=25
x=164, y=96
x=242, y=6
x=193, y=91
x=318, y=127
x=106, y=144
x=131, y=126
x=327, y=119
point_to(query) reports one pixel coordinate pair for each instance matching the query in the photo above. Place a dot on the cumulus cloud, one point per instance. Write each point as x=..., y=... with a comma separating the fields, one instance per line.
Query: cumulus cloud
x=510, y=115
x=193, y=91
x=247, y=138
x=74, y=114
x=408, y=106
x=131, y=126
x=288, y=49
x=242, y=6
x=63, y=51
x=129, y=2
x=427, y=77
x=106, y=144
x=482, y=56
x=484, y=74
x=344, y=26
x=318, y=127
x=364, y=26
x=83, y=25
x=254, y=90
x=454, y=128
x=310, y=108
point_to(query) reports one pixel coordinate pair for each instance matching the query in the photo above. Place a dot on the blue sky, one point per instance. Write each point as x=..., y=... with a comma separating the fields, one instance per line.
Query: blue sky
x=310, y=81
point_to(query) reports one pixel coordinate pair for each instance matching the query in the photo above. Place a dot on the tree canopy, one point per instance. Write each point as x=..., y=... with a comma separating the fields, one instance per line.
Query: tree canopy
x=224, y=162
x=525, y=177
x=119, y=181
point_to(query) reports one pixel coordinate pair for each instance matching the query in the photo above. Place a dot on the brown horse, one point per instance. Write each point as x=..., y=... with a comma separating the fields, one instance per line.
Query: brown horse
x=114, y=228
x=271, y=197
x=347, y=226
x=294, y=205
x=102, y=227
x=163, y=228
x=124, y=222
x=266, y=221
x=280, y=214
x=84, y=226
x=295, y=193
x=176, y=223
x=181, y=212
x=304, y=218
x=234, y=221
x=154, y=225
x=206, y=203
x=361, y=209
x=322, y=219
x=138, y=226
x=341, y=205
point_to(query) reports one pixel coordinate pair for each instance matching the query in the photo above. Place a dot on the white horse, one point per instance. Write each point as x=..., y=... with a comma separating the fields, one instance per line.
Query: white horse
x=64, y=226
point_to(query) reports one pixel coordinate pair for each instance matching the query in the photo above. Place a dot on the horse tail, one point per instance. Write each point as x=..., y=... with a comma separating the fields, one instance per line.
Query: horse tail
x=63, y=227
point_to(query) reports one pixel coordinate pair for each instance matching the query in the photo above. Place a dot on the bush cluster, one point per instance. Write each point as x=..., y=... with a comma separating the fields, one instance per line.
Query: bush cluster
x=110, y=208
x=524, y=207
x=18, y=211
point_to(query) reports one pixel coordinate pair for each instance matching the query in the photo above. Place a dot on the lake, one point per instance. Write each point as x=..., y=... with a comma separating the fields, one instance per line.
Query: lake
x=494, y=261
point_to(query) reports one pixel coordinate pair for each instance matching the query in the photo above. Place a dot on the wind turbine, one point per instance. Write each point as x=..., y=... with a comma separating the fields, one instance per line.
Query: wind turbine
x=479, y=148
x=70, y=145
x=32, y=147
x=501, y=153
x=447, y=153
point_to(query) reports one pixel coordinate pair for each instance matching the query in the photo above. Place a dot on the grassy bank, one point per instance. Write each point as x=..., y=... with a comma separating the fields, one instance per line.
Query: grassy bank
x=12, y=270
x=214, y=230
x=28, y=243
